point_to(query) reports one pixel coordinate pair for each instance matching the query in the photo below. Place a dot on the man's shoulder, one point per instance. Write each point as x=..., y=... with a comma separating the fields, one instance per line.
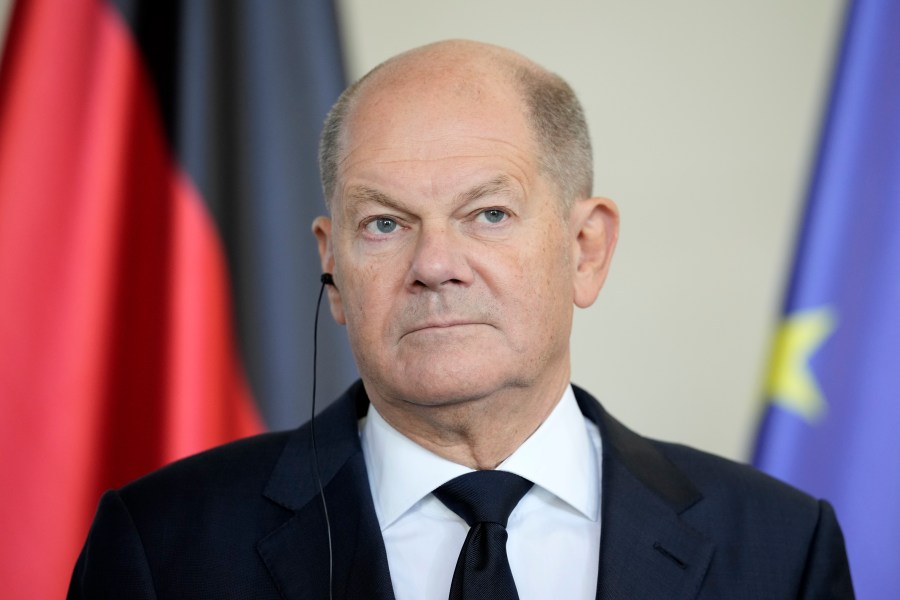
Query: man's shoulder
x=755, y=519
x=750, y=521
x=223, y=474
x=275, y=466
x=193, y=524
x=724, y=499
x=684, y=474
x=731, y=482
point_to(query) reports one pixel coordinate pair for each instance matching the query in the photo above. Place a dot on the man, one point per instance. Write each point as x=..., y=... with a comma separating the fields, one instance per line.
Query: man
x=461, y=233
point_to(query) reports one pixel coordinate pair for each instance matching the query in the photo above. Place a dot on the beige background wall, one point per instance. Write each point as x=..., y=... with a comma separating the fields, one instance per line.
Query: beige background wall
x=704, y=116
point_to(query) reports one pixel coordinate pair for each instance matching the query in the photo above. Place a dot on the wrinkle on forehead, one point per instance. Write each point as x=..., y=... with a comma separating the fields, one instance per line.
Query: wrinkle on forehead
x=453, y=180
x=427, y=151
x=452, y=101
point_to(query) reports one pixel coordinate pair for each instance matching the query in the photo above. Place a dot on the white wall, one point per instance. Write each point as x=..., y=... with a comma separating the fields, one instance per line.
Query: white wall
x=704, y=115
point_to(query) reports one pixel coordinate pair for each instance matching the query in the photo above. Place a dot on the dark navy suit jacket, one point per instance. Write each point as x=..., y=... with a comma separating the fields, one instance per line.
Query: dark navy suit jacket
x=245, y=521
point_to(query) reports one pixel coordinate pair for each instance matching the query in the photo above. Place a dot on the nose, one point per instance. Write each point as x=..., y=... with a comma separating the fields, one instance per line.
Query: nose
x=439, y=259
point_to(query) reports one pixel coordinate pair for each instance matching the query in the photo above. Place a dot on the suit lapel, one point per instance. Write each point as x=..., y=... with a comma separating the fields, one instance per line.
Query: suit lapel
x=296, y=553
x=646, y=549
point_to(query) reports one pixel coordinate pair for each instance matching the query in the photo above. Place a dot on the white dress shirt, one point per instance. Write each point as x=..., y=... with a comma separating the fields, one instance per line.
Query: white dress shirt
x=554, y=532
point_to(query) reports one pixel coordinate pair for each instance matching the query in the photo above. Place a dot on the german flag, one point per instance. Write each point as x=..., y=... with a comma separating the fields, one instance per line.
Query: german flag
x=157, y=275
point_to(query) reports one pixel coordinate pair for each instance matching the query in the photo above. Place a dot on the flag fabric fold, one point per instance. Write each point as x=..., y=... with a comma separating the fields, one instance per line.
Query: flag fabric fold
x=834, y=384
x=157, y=274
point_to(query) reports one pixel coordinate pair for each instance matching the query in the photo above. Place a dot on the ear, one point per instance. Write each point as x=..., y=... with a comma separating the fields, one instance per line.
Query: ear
x=595, y=226
x=321, y=227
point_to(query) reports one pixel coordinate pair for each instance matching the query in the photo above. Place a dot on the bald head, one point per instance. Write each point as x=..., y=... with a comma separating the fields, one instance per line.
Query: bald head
x=468, y=69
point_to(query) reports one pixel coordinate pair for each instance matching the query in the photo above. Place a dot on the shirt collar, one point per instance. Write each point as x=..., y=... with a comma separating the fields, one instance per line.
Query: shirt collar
x=558, y=457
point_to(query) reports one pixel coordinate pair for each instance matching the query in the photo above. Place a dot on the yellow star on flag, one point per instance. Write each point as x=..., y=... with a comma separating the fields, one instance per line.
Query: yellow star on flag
x=791, y=384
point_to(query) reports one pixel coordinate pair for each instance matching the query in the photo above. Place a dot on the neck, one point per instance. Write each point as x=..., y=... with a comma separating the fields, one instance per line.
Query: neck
x=479, y=433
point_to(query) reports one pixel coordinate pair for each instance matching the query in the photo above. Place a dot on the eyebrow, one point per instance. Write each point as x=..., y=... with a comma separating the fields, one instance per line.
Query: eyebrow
x=364, y=194
x=497, y=185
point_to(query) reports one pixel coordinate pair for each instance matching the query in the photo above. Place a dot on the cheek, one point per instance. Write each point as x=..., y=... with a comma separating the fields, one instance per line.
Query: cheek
x=368, y=300
x=548, y=263
x=536, y=297
x=551, y=281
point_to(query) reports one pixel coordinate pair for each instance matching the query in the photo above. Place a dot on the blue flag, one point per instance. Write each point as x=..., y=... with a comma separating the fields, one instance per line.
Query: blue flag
x=833, y=425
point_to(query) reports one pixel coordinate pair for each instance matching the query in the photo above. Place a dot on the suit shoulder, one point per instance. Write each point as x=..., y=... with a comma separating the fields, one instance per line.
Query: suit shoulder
x=751, y=516
x=748, y=503
x=678, y=474
x=717, y=476
x=241, y=465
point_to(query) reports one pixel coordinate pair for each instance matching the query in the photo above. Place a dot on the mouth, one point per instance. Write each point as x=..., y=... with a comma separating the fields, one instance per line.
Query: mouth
x=442, y=325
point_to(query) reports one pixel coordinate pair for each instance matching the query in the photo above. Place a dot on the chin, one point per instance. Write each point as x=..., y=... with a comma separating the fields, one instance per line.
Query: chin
x=445, y=381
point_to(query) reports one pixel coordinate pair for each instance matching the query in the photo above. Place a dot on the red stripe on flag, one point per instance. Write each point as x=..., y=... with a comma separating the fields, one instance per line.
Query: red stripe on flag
x=117, y=349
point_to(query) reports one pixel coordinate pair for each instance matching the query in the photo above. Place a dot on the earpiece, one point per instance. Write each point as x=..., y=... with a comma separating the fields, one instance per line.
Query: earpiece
x=326, y=279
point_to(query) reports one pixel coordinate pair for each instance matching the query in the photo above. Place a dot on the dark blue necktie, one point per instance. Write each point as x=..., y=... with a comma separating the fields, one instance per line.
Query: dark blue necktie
x=484, y=499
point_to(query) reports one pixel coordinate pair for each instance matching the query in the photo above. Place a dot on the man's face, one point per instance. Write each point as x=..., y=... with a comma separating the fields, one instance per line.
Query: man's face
x=451, y=256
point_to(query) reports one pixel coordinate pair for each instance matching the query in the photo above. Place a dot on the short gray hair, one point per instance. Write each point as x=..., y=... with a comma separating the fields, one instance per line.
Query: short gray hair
x=561, y=131
x=330, y=146
x=554, y=113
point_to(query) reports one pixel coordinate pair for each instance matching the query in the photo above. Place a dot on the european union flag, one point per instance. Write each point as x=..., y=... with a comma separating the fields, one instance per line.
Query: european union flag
x=833, y=426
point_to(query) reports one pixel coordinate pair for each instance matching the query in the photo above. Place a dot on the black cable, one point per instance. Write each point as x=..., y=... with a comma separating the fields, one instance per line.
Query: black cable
x=312, y=429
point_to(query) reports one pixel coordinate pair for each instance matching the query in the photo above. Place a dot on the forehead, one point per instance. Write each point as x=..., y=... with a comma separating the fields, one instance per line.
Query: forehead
x=436, y=122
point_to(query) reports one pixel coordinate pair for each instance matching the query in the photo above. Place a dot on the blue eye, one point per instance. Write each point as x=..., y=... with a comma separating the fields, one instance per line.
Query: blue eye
x=494, y=215
x=382, y=225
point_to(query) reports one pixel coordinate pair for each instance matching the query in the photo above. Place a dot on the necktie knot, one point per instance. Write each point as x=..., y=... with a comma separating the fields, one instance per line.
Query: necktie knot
x=484, y=500
x=483, y=496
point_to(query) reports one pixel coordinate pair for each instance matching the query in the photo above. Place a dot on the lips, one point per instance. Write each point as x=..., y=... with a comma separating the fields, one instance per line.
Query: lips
x=442, y=325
